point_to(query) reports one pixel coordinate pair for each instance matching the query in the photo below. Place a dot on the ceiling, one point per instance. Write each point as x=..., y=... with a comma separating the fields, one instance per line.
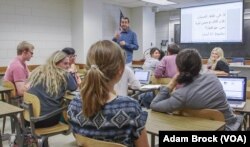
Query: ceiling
x=179, y=3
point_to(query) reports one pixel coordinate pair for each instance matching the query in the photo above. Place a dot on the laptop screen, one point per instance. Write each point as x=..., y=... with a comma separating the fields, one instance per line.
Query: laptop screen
x=143, y=76
x=234, y=87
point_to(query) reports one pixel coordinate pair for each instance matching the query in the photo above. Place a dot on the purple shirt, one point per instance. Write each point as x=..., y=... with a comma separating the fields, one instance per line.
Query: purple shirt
x=167, y=67
x=17, y=71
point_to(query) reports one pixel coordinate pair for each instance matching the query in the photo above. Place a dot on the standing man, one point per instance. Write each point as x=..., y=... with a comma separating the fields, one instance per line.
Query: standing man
x=127, y=39
x=17, y=72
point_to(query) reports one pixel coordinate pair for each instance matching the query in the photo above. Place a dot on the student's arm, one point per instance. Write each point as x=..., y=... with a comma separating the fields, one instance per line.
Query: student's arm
x=71, y=82
x=165, y=102
x=132, y=81
x=142, y=141
x=221, y=69
x=20, y=88
x=134, y=45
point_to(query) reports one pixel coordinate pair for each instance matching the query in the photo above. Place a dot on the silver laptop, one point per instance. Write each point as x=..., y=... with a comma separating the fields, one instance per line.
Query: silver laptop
x=143, y=76
x=235, y=89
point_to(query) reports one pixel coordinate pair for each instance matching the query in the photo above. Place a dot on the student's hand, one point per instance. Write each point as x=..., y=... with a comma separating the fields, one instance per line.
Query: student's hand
x=117, y=35
x=122, y=43
x=172, y=84
x=26, y=86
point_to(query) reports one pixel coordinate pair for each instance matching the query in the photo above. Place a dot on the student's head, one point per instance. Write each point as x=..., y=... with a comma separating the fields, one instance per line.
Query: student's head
x=59, y=59
x=173, y=49
x=125, y=23
x=189, y=64
x=25, y=49
x=155, y=53
x=217, y=54
x=105, y=64
x=71, y=54
x=52, y=74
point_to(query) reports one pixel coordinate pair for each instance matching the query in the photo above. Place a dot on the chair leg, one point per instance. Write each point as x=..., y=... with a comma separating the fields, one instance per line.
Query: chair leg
x=43, y=142
x=40, y=142
x=4, y=120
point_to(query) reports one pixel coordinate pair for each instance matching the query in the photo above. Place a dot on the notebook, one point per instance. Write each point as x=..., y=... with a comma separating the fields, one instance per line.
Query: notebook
x=235, y=89
x=143, y=76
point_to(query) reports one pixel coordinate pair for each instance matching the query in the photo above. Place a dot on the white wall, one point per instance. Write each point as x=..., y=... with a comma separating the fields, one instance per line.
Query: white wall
x=148, y=31
x=92, y=24
x=136, y=23
x=77, y=28
x=143, y=24
x=162, y=27
x=44, y=23
x=111, y=18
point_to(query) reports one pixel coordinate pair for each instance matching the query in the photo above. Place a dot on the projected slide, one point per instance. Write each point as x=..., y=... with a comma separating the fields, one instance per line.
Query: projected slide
x=213, y=23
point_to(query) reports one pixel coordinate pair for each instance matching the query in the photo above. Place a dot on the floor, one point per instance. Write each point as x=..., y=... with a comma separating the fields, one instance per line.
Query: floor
x=55, y=141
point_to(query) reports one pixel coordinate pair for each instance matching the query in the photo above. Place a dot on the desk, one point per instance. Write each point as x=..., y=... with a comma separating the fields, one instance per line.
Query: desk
x=245, y=110
x=137, y=66
x=234, y=73
x=245, y=70
x=12, y=111
x=163, y=122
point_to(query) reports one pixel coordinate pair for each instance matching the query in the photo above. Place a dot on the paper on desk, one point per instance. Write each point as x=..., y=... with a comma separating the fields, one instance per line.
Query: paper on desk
x=151, y=86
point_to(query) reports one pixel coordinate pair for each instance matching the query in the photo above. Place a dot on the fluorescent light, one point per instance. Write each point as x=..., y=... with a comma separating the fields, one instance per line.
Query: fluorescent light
x=159, y=2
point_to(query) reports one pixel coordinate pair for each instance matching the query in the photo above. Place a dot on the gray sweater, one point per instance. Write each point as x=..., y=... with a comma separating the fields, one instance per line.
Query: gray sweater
x=204, y=92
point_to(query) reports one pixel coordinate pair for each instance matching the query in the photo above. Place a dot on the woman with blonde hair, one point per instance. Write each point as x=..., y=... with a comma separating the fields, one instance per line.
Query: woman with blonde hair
x=49, y=83
x=217, y=63
x=101, y=114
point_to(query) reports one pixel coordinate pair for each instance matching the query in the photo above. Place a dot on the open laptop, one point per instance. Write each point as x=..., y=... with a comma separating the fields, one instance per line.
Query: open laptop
x=143, y=76
x=235, y=89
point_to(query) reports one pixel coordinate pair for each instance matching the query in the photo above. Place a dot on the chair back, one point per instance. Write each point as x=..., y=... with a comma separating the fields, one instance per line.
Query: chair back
x=211, y=114
x=89, y=142
x=239, y=60
x=32, y=99
x=163, y=81
x=12, y=86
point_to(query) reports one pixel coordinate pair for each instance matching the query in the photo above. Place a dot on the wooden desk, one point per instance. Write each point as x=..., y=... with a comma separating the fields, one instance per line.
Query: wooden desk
x=234, y=73
x=12, y=111
x=163, y=122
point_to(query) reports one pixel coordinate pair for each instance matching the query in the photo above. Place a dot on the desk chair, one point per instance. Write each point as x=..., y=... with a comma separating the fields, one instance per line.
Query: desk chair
x=163, y=81
x=32, y=109
x=13, y=95
x=211, y=114
x=84, y=141
x=240, y=60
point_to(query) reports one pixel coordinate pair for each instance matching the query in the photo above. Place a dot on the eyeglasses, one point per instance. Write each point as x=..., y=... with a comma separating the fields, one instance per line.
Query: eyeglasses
x=31, y=52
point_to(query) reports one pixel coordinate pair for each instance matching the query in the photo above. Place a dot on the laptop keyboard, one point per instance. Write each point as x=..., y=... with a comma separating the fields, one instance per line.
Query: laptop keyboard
x=234, y=102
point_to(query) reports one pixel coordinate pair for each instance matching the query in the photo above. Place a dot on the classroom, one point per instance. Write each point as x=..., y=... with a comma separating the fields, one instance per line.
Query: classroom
x=47, y=34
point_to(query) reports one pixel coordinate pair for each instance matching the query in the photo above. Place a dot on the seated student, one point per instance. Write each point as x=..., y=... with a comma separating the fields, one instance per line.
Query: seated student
x=49, y=83
x=127, y=80
x=217, y=63
x=17, y=71
x=154, y=59
x=167, y=66
x=197, y=91
x=72, y=57
x=99, y=113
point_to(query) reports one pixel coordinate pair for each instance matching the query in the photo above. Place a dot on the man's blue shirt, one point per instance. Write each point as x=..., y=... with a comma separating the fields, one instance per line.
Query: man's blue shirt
x=131, y=43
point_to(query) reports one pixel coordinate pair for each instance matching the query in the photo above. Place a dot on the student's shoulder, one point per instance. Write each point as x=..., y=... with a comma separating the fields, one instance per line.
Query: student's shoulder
x=127, y=99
